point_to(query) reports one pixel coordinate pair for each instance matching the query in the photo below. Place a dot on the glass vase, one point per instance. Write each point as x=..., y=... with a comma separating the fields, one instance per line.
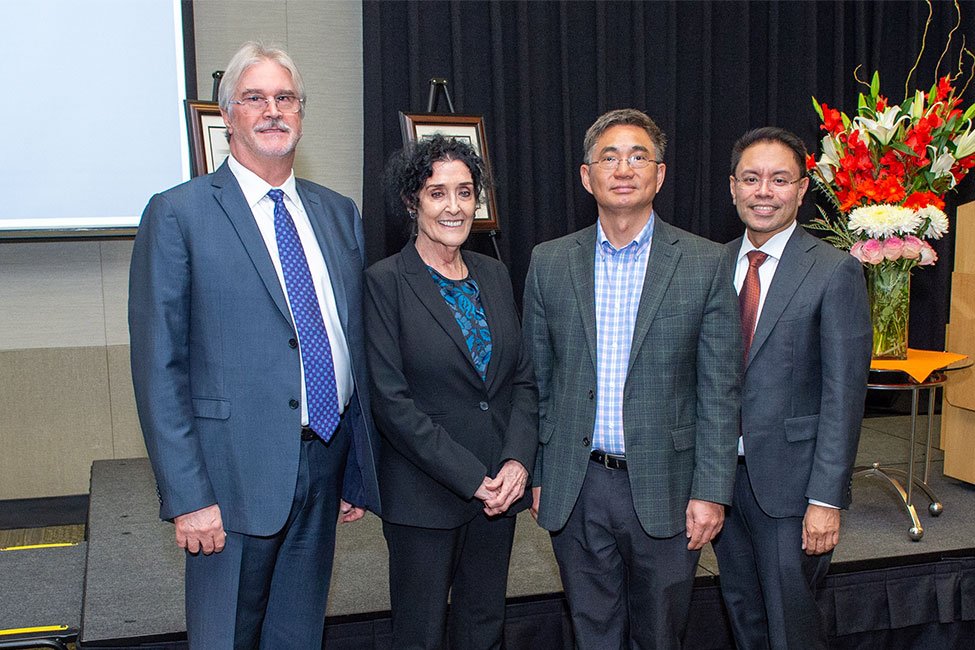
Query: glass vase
x=889, y=289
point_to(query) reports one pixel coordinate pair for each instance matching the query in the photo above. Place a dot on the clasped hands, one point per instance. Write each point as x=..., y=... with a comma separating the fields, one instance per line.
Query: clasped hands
x=498, y=493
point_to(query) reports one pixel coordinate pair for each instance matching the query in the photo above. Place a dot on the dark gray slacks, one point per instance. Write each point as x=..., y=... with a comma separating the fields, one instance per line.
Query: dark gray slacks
x=270, y=592
x=767, y=581
x=625, y=588
x=470, y=563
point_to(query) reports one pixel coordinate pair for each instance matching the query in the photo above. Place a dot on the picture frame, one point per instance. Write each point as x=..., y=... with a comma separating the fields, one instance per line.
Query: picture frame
x=416, y=126
x=208, y=136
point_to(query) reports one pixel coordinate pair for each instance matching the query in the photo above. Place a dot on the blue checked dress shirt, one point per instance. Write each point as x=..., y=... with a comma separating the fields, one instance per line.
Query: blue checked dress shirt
x=619, y=285
x=316, y=351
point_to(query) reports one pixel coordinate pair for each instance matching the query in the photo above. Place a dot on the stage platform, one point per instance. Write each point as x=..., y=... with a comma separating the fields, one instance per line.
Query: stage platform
x=883, y=590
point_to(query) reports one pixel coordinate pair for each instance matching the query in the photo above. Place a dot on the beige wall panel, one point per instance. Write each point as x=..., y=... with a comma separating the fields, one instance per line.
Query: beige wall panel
x=126, y=432
x=220, y=26
x=325, y=39
x=115, y=280
x=54, y=420
x=51, y=295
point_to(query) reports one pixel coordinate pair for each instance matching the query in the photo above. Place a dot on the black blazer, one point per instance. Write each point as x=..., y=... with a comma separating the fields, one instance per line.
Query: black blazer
x=443, y=428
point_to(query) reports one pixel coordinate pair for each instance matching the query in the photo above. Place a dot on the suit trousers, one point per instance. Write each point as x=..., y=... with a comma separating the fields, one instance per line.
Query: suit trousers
x=470, y=563
x=270, y=592
x=767, y=580
x=625, y=588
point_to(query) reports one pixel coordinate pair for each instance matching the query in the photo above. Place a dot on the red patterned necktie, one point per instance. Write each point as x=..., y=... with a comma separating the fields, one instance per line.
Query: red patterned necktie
x=751, y=290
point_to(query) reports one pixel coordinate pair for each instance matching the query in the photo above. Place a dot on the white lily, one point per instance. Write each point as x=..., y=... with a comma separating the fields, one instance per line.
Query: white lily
x=965, y=143
x=829, y=160
x=885, y=126
x=941, y=165
x=917, y=108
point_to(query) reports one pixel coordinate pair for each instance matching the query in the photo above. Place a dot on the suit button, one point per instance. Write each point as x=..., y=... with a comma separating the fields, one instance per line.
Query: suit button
x=292, y=343
x=592, y=394
x=483, y=406
x=293, y=403
x=586, y=442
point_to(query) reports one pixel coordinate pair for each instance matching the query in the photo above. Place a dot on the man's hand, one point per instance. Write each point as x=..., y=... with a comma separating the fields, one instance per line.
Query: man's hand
x=536, y=499
x=505, y=488
x=704, y=521
x=201, y=530
x=820, y=529
x=349, y=512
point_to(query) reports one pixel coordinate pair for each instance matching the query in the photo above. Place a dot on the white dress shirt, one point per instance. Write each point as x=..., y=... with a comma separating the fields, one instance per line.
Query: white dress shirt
x=774, y=248
x=255, y=191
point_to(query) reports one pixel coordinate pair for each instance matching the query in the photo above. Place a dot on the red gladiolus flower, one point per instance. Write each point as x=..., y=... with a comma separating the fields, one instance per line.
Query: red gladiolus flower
x=832, y=121
x=810, y=161
x=944, y=89
x=881, y=103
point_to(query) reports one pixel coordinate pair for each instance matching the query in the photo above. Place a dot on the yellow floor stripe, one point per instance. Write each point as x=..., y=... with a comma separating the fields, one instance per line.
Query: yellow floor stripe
x=33, y=630
x=30, y=546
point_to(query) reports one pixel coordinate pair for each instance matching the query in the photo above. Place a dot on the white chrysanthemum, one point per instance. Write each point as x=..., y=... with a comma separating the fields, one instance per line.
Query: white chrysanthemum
x=884, y=220
x=938, y=224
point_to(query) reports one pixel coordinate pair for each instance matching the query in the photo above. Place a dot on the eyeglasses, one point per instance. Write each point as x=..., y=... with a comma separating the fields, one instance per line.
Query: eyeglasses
x=259, y=103
x=752, y=182
x=636, y=161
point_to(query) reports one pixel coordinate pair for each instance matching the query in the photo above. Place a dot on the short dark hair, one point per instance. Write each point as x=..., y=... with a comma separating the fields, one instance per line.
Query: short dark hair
x=410, y=167
x=624, y=117
x=770, y=134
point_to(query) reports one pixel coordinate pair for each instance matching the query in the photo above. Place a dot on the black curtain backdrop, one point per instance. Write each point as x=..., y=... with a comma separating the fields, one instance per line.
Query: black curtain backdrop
x=541, y=72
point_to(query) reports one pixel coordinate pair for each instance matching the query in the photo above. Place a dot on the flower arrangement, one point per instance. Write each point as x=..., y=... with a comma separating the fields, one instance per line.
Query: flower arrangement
x=886, y=171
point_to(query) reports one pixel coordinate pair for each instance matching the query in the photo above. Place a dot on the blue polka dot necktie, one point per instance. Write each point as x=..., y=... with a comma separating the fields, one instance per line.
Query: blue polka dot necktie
x=316, y=351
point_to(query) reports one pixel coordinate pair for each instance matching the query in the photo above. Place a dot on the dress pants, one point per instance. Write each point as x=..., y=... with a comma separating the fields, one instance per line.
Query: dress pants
x=470, y=563
x=270, y=592
x=767, y=580
x=625, y=588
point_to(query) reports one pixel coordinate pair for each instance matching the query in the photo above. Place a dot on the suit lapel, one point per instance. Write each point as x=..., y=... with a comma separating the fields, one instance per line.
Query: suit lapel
x=582, y=269
x=789, y=273
x=227, y=193
x=336, y=259
x=661, y=265
x=426, y=289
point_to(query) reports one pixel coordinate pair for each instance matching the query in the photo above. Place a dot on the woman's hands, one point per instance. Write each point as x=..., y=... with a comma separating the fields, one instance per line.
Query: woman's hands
x=500, y=492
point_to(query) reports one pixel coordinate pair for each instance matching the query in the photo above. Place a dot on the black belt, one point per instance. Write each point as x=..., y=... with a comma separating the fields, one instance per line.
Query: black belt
x=609, y=461
x=308, y=433
x=741, y=460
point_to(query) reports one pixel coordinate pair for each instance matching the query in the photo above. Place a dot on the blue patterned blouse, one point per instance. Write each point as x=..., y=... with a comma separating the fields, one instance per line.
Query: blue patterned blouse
x=464, y=299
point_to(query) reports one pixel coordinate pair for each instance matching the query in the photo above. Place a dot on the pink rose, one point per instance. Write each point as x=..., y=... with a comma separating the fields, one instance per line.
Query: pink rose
x=912, y=247
x=893, y=248
x=872, y=252
x=928, y=256
x=856, y=250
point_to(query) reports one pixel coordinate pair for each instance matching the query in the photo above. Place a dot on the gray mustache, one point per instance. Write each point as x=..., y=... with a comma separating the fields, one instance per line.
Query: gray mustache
x=272, y=124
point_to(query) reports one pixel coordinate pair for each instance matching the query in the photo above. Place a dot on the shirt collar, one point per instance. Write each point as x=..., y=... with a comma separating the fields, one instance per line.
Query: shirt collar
x=639, y=243
x=774, y=247
x=256, y=188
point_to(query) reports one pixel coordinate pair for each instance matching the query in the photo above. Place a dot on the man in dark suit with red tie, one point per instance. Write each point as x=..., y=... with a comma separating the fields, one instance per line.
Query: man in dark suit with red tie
x=806, y=335
x=245, y=317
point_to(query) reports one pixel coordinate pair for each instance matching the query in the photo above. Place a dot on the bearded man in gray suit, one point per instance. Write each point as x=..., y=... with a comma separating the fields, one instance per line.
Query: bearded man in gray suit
x=632, y=328
x=807, y=353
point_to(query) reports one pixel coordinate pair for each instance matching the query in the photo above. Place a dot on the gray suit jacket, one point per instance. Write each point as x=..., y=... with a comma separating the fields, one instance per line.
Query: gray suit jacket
x=215, y=362
x=806, y=378
x=680, y=401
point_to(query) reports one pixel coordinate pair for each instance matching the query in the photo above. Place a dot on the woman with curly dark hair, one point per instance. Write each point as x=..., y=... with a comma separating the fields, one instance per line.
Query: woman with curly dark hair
x=455, y=402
